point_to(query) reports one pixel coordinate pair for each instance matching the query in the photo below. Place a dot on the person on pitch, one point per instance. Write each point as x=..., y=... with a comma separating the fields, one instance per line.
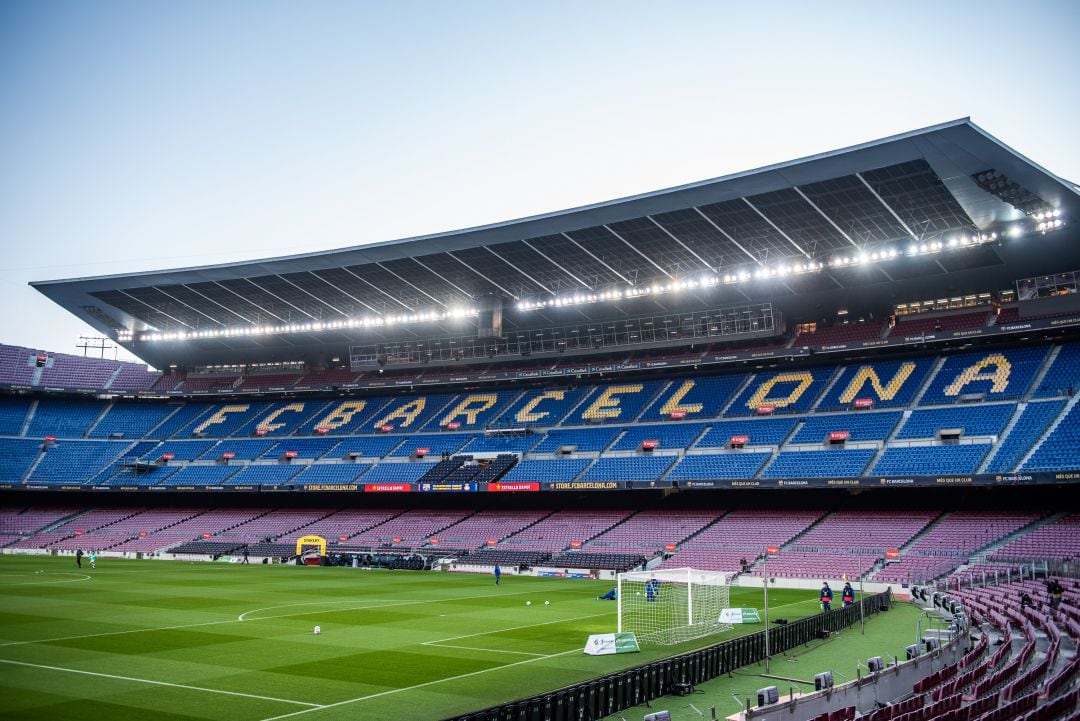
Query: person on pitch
x=848, y=594
x=498, y=574
x=826, y=596
x=652, y=589
x=611, y=595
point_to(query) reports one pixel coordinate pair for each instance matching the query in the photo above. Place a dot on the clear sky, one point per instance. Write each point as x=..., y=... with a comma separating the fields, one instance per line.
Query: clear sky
x=145, y=135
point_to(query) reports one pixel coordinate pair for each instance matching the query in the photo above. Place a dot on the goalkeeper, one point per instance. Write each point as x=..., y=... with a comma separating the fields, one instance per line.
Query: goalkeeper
x=612, y=595
x=652, y=589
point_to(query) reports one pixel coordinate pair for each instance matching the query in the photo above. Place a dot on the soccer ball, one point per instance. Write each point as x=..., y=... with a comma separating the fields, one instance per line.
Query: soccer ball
x=547, y=603
x=528, y=603
x=318, y=630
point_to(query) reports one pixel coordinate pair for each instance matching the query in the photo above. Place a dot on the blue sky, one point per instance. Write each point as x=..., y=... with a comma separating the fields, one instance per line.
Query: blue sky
x=137, y=136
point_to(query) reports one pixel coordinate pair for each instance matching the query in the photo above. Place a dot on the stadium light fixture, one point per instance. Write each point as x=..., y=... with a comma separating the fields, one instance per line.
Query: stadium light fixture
x=1042, y=222
x=125, y=336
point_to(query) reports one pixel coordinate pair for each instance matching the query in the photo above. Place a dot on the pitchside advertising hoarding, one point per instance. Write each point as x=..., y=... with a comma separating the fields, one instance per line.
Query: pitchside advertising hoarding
x=984, y=479
x=739, y=615
x=606, y=644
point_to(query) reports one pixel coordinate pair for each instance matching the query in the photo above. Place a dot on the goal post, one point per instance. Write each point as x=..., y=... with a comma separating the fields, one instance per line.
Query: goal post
x=672, y=605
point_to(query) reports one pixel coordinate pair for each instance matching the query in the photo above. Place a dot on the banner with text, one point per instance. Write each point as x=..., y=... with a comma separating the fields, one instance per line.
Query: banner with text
x=606, y=644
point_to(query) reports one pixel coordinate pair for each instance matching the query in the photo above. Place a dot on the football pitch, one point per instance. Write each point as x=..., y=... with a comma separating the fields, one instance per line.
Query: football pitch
x=174, y=640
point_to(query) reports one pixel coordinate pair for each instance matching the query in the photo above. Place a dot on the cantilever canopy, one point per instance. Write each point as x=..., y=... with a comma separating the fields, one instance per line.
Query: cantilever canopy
x=920, y=186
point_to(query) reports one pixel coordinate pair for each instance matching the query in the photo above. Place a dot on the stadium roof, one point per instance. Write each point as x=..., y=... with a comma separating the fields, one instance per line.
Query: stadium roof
x=807, y=223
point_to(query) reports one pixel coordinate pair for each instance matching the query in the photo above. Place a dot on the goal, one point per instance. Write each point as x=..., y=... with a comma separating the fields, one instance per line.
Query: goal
x=672, y=605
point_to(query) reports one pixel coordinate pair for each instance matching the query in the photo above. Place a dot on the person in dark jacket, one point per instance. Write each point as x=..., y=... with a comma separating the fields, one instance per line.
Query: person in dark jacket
x=78, y=558
x=826, y=596
x=848, y=594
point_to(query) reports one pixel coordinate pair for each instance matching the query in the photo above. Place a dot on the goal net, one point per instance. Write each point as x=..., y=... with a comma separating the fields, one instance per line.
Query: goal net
x=672, y=605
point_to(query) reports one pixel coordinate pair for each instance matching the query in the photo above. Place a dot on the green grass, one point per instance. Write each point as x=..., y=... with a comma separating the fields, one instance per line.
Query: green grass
x=169, y=640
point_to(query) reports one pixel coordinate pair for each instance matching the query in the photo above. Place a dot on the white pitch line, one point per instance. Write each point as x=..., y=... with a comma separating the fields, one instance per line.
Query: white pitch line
x=433, y=644
x=115, y=633
x=381, y=604
x=82, y=577
x=420, y=685
x=514, y=628
x=312, y=706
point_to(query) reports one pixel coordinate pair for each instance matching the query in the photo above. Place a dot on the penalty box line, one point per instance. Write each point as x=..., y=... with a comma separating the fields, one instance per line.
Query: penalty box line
x=441, y=642
x=393, y=691
x=311, y=706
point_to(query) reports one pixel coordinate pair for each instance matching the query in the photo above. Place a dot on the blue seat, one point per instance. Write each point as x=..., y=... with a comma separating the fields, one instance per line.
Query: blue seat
x=12, y=416
x=1058, y=451
x=1063, y=376
x=305, y=447
x=718, y=466
x=711, y=393
x=546, y=471
x=244, y=450
x=436, y=443
x=1035, y=419
x=1013, y=377
x=408, y=472
x=789, y=391
x=762, y=432
x=365, y=446
x=201, y=475
x=864, y=426
x=856, y=381
x=622, y=404
x=265, y=475
x=181, y=450
x=832, y=463
x=72, y=461
x=16, y=455
x=330, y=473
x=670, y=435
x=976, y=420
x=931, y=460
x=636, y=468
x=133, y=420
x=63, y=419
x=587, y=440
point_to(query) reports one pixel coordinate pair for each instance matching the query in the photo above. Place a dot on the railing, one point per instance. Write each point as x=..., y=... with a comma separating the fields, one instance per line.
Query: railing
x=627, y=334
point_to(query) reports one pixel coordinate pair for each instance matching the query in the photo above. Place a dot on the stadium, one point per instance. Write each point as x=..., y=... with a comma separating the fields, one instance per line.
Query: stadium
x=859, y=366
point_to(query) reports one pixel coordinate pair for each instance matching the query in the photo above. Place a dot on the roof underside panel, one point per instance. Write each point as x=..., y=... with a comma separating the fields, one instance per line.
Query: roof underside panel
x=914, y=191
x=272, y=309
x=350, y=286
x=427, y=281
x=553, y=277
x=454, y=271
x=750, y=230
x=563, y=251
x=799, y=221
x=237, y=309
x=514, y=280
x=169, y=307
x=855, y=210
x=624, y=260
x=330, y=303
x=398, y=292
x=696, y=232
x=650, y=240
